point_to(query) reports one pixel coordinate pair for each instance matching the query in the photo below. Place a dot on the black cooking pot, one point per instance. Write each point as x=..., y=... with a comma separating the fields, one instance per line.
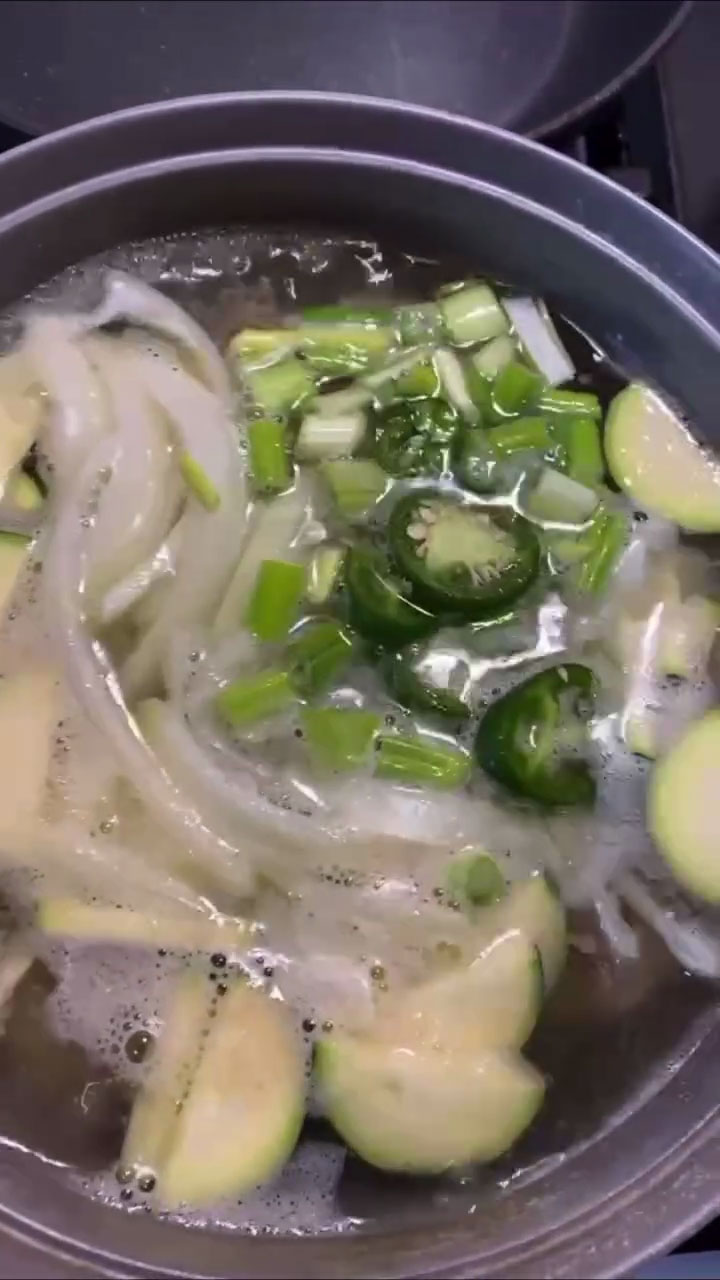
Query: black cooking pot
x=644, y=1169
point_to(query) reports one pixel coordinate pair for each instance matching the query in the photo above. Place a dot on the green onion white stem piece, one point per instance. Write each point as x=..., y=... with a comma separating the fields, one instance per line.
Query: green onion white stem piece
x=356, y=484
x=452, y=381
x=557, y=499
x=279, y=388
x=472, y=314
x=322, y=436
x=494, y=355
x=536, y=332
x=323, y=572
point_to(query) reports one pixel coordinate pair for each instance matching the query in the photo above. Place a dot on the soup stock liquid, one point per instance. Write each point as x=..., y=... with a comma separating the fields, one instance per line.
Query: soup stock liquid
x=81, y=1025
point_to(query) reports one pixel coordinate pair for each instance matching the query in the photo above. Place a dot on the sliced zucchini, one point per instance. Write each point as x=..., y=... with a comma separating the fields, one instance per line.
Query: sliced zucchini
x=88, y=922
x=13, y=554
x=428, y=1110
x=242, y=1116
x=654, y=458
x=683, y=812
x=535, y=910
x=492, y=1003
x=175, y=1056
x=29, y=709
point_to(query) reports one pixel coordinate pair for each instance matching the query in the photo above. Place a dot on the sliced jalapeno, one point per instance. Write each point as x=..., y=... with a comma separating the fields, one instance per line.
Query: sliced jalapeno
x=461, y=557
x=414, y=438
x=413, y=687
x=529, y=739
x=379, y=604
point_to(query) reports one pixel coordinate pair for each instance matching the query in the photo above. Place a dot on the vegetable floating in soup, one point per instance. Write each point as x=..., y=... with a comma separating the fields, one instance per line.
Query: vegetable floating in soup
x=365, y=631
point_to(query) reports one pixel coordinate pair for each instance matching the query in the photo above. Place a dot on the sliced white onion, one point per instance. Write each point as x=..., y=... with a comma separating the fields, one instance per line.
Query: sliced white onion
x=132, y=300
x=97, y=689
x=536, y=332
x=79, y=415
x=140, y=500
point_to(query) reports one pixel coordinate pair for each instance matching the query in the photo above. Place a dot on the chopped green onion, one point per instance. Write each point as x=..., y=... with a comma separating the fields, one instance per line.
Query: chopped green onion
x=419, y=761
x=520, y=435
x=475, y=879
x=323, y=573
x=368, y=317
x=269, y=462
x=419, y=383
x=256, y=697
x=250, y=344
x=582, y=447
x=558, y=499
x=323, y=436
x=514, y=387
x=317, y=656
x=339, y=737
x=23, y=491
x=199, y=482
x=279, y=388
x=475, y=460
x=569, y=401
x=494, y=355
x=452, y=379
x=340, y=350
x=605, y=540
x=419, y=322
x=356, y=484
x=275, y=601
x=539, y=339
x=382, y=382
x=472, y=314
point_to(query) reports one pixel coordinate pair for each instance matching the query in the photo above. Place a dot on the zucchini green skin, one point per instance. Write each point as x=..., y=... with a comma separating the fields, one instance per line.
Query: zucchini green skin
x=454, y=589
x=517, y=737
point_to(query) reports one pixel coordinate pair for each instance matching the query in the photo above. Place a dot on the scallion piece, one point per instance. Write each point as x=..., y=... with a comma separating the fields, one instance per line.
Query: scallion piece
x=539, y=339
x=356, y=484
x=323, y=573
x=421, y=382
x=368, y=317
x=472, y=314
x=275, y=601
x=494, y=355
x=521, y=435
x=258, y=345
x=569, y=401
x=558, y=499
x=582, y=447
x=454, y=384
x=324, y=436
x=515, y=387
x=419, y=322
x=342, y=349
x=605, y=541
x=317, y=655
x=269, y=461
x=256, y=697
x=339, y=737
x=279, y=388
x=199, y=482
x=418, y=761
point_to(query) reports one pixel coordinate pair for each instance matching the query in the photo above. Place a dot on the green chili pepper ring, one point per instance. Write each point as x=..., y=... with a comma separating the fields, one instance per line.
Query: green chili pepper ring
x=525, y=739
x=413, y=438
x=461, y=557
x=378, y=603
